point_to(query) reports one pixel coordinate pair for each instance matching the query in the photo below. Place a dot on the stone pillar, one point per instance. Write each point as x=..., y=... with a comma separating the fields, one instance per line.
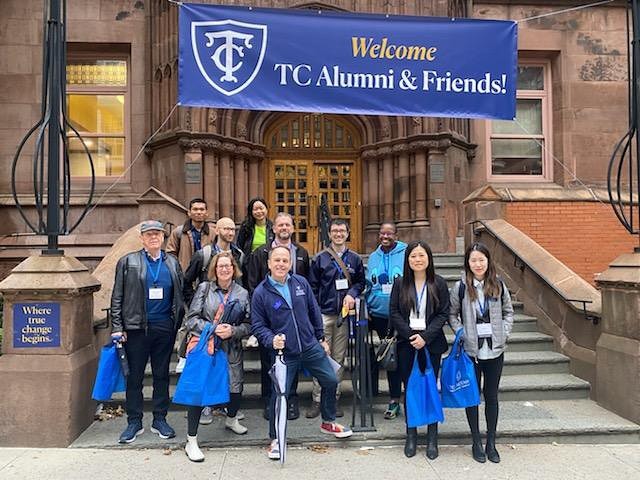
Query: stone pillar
x=49, y=362
x=403, y=182
x=211, y=167
x=373, y=217
x=225, y=182
x=387, y=192
x=618, y=348
x=420, y=176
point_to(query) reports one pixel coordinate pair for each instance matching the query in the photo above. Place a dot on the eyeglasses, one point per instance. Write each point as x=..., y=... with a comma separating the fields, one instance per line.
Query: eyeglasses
x=224, y=267
x=338, y=230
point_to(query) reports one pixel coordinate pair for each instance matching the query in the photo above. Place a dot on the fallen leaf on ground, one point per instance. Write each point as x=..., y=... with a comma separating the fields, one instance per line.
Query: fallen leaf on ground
x=318, y=448
x=167, y=451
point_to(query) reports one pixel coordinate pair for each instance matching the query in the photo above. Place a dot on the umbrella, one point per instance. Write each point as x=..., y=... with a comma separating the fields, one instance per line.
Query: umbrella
x=278, y=374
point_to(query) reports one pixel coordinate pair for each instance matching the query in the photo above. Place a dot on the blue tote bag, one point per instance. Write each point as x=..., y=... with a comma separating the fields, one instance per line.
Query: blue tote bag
x=458, y=378
x=422, y=397
x=109, y=378
x=205, y=378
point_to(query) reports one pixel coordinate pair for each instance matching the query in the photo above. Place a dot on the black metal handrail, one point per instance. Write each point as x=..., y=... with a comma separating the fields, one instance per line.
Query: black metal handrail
x=518, y=262
x=52, y=126
x=625, y=159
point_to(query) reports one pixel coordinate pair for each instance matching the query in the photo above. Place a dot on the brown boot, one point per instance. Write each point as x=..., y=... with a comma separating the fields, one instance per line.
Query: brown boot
x=313, y=411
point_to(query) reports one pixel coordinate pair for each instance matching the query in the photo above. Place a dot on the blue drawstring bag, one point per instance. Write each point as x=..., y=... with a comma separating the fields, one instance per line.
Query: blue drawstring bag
x=205, y=378
x=458, y=381
x=422, y=397
x=109, y=378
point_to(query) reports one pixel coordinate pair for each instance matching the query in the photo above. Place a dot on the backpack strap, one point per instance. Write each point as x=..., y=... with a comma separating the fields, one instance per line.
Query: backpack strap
x=461, y=291
x=343, y=267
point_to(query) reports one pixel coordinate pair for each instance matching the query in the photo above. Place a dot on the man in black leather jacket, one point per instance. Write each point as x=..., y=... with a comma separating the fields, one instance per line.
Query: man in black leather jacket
x=146, y=310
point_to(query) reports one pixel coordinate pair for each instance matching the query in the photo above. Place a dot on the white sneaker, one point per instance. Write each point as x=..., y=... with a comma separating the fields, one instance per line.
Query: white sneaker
x=240, y=415
x=181, y=363
x=193, y=450
x=206, y=417
x=234, y=425
x=274, y=451
x=252, y=342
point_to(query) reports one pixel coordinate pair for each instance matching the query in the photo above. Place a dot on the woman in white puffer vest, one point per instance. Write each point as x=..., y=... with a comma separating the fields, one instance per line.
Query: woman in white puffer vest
x=481, y=305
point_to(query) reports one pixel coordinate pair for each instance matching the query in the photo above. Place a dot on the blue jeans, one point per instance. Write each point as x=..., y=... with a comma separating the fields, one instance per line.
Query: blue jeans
x=316, y=362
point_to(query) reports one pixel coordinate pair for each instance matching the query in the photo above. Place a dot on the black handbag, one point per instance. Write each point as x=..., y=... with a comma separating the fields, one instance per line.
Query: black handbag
x=387, y=354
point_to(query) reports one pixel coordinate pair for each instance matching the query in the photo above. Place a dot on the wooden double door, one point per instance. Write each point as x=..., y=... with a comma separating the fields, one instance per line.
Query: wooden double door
x=297, y=187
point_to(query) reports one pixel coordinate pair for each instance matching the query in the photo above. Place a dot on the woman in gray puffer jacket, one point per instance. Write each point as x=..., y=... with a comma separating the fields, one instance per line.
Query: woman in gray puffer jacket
x=481, y=305
x=223, y=302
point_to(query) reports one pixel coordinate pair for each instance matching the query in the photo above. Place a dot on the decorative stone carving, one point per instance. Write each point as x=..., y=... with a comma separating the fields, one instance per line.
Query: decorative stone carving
x=242, y=132
x=399, y=148
x=385, y=131
x=187, y=119
x=212, y=118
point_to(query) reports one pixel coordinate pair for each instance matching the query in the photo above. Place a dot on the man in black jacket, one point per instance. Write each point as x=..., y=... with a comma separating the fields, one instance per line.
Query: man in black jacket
x=146, y=310
x=198, y=269
x=257, y=270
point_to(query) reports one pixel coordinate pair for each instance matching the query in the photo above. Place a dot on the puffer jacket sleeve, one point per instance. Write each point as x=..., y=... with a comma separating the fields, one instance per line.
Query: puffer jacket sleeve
x=507, y=311
x=455, y=310
x=199, y=316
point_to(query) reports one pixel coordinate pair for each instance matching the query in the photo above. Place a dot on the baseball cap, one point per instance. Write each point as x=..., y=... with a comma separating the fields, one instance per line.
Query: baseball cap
x=150, y=225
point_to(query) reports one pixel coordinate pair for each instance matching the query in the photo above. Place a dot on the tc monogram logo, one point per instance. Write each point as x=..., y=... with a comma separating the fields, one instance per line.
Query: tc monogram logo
x=236, y=53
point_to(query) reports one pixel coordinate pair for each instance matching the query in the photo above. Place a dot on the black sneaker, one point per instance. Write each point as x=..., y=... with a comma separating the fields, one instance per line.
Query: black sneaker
x=131, y=432
x=293, y=410
x=162, y=428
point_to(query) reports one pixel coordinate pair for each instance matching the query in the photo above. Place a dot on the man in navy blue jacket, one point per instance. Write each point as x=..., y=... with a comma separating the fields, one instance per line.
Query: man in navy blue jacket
x=337, y=279
x=285, y=316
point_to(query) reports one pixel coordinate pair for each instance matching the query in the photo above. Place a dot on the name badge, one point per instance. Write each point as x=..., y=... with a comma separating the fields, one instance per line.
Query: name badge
x=155, y=293
x=342, y=284
x=484, y=329
x=386, y=288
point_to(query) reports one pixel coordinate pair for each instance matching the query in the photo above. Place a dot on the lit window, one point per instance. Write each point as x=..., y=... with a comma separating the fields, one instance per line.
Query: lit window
x=520, y=147
x=96, y=108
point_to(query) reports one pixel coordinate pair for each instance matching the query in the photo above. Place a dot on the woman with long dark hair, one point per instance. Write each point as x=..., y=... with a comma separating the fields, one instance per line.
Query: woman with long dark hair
x=256, y=229
x=481, y=305
x=418, y=309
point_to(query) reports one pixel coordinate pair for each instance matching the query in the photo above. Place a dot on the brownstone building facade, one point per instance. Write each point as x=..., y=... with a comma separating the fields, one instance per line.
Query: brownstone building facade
x=122, y=87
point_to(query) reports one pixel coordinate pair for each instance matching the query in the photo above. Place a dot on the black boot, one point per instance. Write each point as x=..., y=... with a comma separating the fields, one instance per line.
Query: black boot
x=432, y=441
x=492, y=453
x=476, y=449
x=411, y=443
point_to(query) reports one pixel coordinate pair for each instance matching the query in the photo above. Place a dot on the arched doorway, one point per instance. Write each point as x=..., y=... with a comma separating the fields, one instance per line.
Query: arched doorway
x=309, y=155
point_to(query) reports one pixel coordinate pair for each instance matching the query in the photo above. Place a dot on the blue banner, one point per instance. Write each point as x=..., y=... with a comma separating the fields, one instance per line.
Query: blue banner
x=327, y=62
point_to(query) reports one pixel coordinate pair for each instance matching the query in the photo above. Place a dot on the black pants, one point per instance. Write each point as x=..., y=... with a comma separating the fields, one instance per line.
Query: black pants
x=406, y=354
x=267, y=358
x=491, y=371
x=381, y=326
x=157, y=344
x=193, y=413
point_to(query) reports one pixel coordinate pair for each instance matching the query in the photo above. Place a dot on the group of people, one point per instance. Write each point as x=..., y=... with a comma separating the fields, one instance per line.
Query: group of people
x=264, y=287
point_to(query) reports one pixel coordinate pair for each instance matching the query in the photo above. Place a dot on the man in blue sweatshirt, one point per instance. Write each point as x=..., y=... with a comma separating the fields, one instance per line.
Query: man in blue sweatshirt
x=285, y=316
x=385, y=265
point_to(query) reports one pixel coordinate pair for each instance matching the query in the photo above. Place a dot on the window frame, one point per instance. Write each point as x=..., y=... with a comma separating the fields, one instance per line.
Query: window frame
x=90, y=55
x=547, y=130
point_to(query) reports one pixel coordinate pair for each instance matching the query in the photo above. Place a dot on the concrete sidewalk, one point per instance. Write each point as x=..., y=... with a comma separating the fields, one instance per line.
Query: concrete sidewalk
x=519, y=462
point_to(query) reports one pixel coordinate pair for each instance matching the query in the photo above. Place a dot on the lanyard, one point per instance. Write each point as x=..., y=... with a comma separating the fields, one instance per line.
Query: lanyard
x=419, y=298
x=483, y=307
x=223, y=298
x=340, y=272
x=156, y=274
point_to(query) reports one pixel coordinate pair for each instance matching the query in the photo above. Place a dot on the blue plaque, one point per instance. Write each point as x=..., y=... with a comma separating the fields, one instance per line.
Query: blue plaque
x=36, y=325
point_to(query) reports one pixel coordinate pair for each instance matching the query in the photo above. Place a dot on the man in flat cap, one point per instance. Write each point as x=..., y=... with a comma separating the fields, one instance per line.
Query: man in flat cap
x=146, y=309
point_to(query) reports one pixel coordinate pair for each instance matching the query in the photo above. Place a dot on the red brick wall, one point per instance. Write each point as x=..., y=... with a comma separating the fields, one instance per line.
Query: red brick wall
x=586, y=236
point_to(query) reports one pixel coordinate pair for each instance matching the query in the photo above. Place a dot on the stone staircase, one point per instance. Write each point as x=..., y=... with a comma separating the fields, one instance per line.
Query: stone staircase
x=540, y=400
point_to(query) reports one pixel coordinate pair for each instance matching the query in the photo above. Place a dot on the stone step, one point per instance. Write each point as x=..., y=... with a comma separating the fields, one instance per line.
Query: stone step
x=524, y=323
x=532, y=421
x=524, y=342
x=516, y=363
x=552, y=386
